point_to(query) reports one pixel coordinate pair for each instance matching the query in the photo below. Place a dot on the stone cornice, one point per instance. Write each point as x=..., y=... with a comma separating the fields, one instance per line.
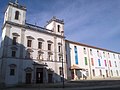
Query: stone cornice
x=33, y=28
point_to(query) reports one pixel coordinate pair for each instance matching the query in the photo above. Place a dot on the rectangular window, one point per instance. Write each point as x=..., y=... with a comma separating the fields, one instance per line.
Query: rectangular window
x=100, y=72
x=60, y=69
x=12, y=72
x=58, y=28
x=76, y=55
x=60, y=59
x=39, y=45
x=84, y=49
x=114, y=56
x=118, y=56
x=40, y=56
x=29, y=43
x=105, y=62
x=14, y=40
x=99, y=63
x=93, y=71
x=13, y=53
x=59, y=48
x=90, y=51
x=111, y=73
x=92, y=61
x=115, y=63
x=49, y=46
x=85, y=60
x=98, y=53
x=110, y=63
x=104, y=54
x=117, y=73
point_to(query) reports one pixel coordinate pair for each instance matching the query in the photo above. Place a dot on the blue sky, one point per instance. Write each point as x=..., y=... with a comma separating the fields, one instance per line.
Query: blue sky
x=93, y=22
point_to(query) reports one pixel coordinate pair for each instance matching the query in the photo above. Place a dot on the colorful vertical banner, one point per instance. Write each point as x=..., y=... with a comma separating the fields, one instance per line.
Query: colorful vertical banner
x=99, y=62
x=76, y=55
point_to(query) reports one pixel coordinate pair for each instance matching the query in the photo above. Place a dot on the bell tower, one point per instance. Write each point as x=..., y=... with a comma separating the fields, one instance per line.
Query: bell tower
x=15, y=13
x=56, y=25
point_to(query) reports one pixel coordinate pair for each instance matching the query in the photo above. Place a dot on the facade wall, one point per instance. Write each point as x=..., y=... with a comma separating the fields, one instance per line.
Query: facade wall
x=97, y=61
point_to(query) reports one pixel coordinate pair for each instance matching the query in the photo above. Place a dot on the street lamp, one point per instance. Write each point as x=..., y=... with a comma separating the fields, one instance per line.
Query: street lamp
x=62, y=33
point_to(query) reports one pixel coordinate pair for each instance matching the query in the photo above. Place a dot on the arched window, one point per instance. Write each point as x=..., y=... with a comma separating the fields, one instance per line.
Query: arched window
x=17, y=15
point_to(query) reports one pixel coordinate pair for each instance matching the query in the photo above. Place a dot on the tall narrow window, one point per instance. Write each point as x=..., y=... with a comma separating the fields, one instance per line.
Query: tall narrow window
x=76, y=55
x=118, y=56
x=115, y=63
x=111, y=73
x=59, y=48
x=92, y=61
x=49, y=46
x=117, y=73
x=100, y=72
x=98, y=53
x=104, y=54
x=12, y=71
x=14, y=40
x=13, y=53
x=114, y=56
x=17, y=15
x=29, y=43
x=58, y=28
x=93, y=71
x=108, y=55
x=110, y=63
x=84, y=49
x=105, y=62
x=90, y=51
x=85, y=60
x=99, y=63
x=39, y=45
x=60, y=70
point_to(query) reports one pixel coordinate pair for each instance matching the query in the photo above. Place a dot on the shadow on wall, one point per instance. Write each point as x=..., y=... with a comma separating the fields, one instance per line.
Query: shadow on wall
x=18, y=65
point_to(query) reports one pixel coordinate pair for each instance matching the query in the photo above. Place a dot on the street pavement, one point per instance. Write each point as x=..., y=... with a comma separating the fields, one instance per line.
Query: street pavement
x=114, y=87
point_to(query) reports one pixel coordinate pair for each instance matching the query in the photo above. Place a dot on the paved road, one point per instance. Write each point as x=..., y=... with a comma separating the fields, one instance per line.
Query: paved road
x=115, y=87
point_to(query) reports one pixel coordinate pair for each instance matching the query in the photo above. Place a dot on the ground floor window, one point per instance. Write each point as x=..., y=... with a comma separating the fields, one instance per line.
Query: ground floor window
x=12, y=71
x=93, y=71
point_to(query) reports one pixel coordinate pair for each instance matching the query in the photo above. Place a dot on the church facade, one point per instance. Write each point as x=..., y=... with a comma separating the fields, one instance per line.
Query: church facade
x=29, y=53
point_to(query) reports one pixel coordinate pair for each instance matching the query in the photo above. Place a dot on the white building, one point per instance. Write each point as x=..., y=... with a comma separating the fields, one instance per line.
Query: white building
x=89, y=62
x=29, y=53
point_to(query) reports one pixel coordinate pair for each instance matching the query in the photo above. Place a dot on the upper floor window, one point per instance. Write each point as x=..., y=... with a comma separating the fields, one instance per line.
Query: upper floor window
x=58, y=26
x=108, y=55
x=13, y=53
x=17, y=15
x=40, y=55
x=29, y=54
x=86, y=63
x=104, y=54
x=15, y=37
x=29, y=43
x=49, y=46
x=84, y=50
x=90, y=51
x=118, y=56
x=98, y=53
x=39, y=45
x=50, y=54
x=14, y=40
x=114, y=56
